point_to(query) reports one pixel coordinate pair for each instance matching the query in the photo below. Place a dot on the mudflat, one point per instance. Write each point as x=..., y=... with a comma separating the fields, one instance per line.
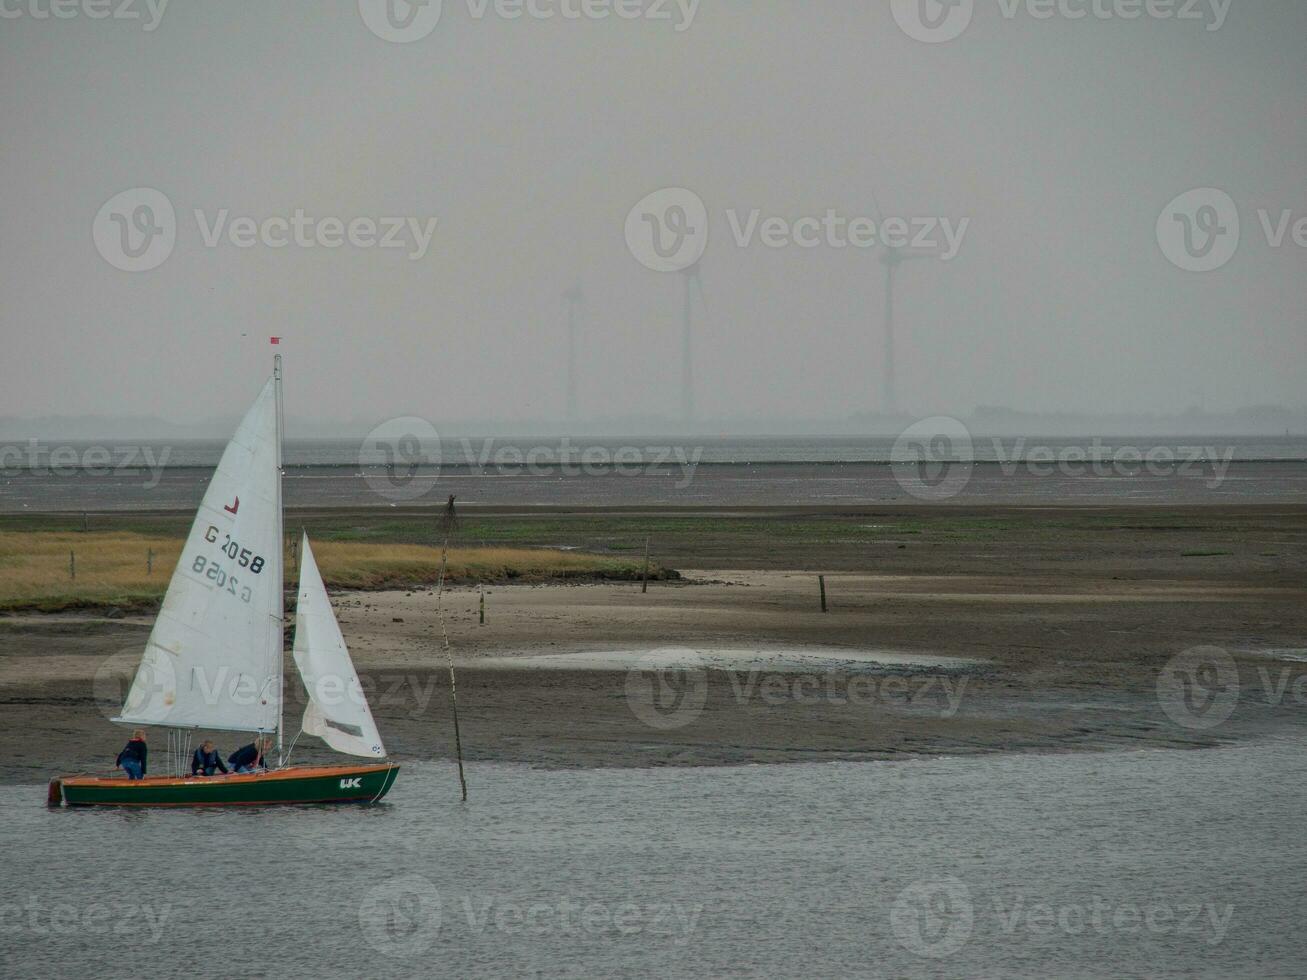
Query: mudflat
x=1033, y=629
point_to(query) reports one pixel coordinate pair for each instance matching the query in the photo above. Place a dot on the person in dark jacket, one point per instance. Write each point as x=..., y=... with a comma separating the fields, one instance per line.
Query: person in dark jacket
x=132, y=758
x=249, y=757
x=206, y=761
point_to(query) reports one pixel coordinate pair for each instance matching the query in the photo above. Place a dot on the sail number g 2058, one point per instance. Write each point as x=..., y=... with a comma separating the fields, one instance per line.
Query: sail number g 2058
x=242, y=556
x=214, y=573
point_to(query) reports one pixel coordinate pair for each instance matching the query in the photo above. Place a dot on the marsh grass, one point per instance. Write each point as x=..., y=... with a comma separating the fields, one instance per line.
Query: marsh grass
x=111, y=567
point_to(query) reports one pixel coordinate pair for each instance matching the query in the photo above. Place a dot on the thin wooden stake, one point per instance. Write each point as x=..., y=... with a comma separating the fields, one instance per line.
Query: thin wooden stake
x=86, y=522
x=482, y=595
x=644, y=576
x=149, y=561
x=444, y=632
x=72, y=565
x=821, y=582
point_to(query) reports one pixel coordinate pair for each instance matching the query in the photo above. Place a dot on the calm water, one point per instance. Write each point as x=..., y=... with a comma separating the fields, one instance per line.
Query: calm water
x=651, y=472
x=1127, y=864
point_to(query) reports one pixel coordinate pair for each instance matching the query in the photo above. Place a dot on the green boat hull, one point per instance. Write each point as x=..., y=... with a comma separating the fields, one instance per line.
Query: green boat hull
x=294, y=785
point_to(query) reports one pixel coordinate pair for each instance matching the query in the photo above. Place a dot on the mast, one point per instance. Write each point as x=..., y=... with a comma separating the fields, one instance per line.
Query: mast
x=280, y=578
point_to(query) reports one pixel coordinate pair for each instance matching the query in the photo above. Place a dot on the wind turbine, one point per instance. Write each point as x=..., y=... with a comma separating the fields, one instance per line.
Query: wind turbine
x=573, y=298
x=891, y=257
x=692, y=280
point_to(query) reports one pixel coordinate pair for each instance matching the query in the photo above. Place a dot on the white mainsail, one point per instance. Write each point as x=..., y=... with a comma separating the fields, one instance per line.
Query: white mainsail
x=214, y=656
x=337, y=711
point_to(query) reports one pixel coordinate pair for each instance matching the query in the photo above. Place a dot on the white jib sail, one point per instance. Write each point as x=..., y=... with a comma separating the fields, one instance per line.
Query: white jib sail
x=214, y=654
x=338, y=710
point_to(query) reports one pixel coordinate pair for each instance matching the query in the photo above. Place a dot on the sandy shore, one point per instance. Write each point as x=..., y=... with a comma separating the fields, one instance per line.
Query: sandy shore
x=916, y=663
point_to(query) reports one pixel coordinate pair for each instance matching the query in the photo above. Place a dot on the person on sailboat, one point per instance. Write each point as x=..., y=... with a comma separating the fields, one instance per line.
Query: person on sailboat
x=206, y=761
x=132, y=758
x=248, y=757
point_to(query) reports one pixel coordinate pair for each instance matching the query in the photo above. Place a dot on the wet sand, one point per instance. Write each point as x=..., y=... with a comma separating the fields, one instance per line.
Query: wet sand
x=1055, y=643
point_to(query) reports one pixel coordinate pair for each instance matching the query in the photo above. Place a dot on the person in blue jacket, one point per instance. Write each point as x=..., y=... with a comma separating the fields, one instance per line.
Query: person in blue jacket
x=206, y=761
x=132, y=759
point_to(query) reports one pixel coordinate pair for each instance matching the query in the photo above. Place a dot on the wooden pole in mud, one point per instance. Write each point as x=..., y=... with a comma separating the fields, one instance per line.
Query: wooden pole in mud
x=72, y=565
x=644, y=576
x=449, y=521
x=821, y=583
x=149, y=561
x=482, y=595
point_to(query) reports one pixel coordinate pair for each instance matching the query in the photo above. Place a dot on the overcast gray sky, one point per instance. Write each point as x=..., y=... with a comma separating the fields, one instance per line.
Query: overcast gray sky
x=1060, y=140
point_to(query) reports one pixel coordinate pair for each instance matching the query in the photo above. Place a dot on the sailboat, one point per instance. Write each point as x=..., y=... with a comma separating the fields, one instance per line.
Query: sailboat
x=214, y=658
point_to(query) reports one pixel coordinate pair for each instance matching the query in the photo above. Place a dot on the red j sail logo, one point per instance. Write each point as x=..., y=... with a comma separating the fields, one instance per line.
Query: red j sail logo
x=232, y=507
